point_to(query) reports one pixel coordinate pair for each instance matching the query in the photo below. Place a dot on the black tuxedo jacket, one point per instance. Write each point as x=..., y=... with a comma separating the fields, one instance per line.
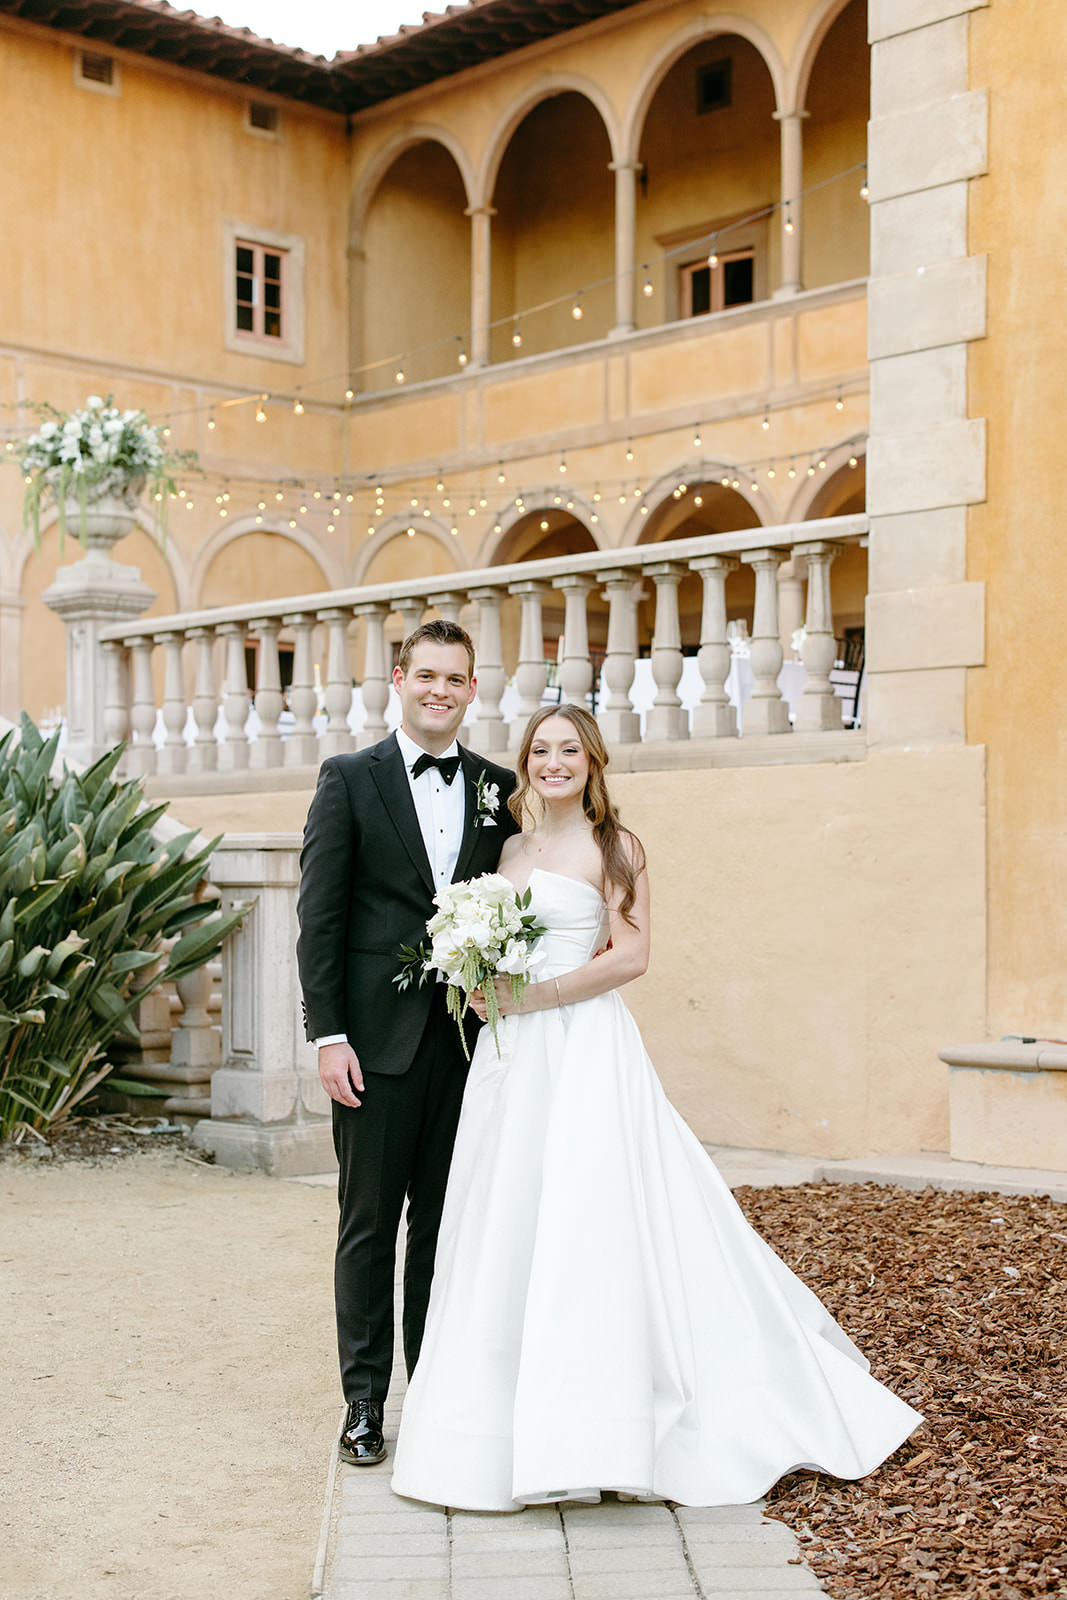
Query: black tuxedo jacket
x=366, y=888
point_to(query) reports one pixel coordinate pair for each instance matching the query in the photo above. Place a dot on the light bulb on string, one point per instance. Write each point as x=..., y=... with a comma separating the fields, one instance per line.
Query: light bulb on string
x=188, y=505
x=398, y=375
x=226, y=494
x=629, y=450
x=453, y=531
x=516, y=336
x=303, y=511
x=622, y=499
x=462, y=357
x=292, y=522
x=557, y=499
x=211, y=420
x=853, y=461
x=370, y=531
x=223, y=512
x=771, y=472
x=261, y=415
x=754, y=487
x=482, y=501
x=471, y=511
x=544, y=524
x=349, y=499
x=735, y=483
x=336, y=495
x=698, y=499
x=865, y=192
x=646, y=288
x=262, y=506
x=563, y=463
x=576, y=309
x=811, y=471
x=350, y=393
x=788, y=219
x=713, y=260
x=498, y=527
x=426, y=511
x=331, y=527
x=644, y=511
x=596, y=494
x=766, y=423
x=316, y=494
x=594, y=517
x=792, y=472
x=501, y=477
x=411, y=533
x=414, y=500
x=440, y=484
x=259, y=520
x=822, y=464
x=446, y=502
x=839, y=404
x=697, y=440
x=725, y=482
x=570, y=505
x=166, y=431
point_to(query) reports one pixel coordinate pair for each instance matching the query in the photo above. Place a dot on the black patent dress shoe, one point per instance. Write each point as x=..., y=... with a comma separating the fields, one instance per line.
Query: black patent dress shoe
x=361, y=1443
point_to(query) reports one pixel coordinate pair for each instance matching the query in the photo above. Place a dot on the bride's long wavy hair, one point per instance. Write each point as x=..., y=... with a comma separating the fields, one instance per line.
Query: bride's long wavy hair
x=622, y=866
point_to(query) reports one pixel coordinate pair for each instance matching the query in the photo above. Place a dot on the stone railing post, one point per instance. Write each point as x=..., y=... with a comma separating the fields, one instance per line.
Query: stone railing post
x=268, y=1109
x=270, y=703
x=195, y=1043
x=203, y=755
x=818, y=708
x=448, y=604
x=338, y=736
x=531, y=673
x=575, y=669
x=765, y=711
x=116, y=697
x=172, y=756
x=301, y=749
x=233, y=753
x=91, y=595
x=489, y=732
x=411, y=612
x=714, y=717
x=141, y=756
x=790, y=601
x=619, y=722
x=666, y=718
x=375, y=686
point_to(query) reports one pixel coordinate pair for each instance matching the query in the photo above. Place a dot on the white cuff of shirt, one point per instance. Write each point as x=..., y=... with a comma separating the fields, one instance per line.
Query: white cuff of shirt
x=330, y=1038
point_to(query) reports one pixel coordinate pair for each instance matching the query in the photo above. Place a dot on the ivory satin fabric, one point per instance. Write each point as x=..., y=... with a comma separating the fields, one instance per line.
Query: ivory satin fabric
x=602, y=1315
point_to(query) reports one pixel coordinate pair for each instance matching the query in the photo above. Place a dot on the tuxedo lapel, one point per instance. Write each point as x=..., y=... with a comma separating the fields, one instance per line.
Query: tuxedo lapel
x=387, y=770
x=472, y=770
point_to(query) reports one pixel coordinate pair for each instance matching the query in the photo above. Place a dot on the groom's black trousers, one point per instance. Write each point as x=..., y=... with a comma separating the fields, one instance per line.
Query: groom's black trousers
x=396, y=1145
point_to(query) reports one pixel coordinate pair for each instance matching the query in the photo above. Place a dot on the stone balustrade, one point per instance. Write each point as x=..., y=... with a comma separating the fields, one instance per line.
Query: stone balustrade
x=203, y=723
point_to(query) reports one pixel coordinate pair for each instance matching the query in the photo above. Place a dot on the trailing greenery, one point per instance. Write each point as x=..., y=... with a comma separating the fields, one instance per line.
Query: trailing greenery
x=95, y=912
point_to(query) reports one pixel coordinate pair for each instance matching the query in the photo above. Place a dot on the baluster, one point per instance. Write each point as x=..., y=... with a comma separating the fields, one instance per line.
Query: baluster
x=489, y=731
x=172, y=756
x=141, y=756
x=204, y=753
x=337, y=736
x=667, y=718
x=765, y=711
x=576, y=669
x=233, y=752
x=818, y=707
x=195, y=1044
x=411, y=610
x=619, y=722
x=302, y=747
x=448, y=604
x=116, y=696
x=269, y=701
x=531, y=674
x=375, y=684
x=714, y=717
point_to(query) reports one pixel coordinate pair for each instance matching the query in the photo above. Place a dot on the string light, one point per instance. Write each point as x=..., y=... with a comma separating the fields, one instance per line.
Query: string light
x=223, y=512
x=292, y=522
x=765, y=424
x=261, y=415
x=822, y=466
x=498, y=527
x=754, y=486
x=576, y=309
x=501, y=477
x=279, y=495
x=331, y=527
x=453, y=531
x=398, y=375
x=698, y=499
x=697, y=440
x=411, y=533
x=771, y=472
x=713, y=260
x=440, y=485
x=853, y=461
x=646, y=288
x=462, y=357
x=788, y=219
x=544, y=524
x=298, y=408
x=811, y=472
x=629, y=450
x=865, y=192
x=317, y=494
x=792, y=472
x=211, y=421
x=839, y=404
x=350, y=394
x=516, y=336
x=563, y=463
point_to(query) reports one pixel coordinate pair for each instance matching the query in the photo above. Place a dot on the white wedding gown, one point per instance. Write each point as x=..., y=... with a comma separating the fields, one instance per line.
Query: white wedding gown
x=602, y=1316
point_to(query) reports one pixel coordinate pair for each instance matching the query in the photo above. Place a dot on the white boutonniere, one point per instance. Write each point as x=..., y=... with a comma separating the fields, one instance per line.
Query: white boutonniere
x=487, y=801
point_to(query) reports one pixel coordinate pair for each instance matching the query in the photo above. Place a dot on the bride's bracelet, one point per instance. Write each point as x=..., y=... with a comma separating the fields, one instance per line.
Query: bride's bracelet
x=559, y=1001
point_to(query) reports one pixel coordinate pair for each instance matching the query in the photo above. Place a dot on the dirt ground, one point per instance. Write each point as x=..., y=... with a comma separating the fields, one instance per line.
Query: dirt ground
x=180, y=1453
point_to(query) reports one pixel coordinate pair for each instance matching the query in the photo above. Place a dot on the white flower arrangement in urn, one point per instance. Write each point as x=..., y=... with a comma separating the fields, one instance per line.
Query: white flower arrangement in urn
x=100, y=460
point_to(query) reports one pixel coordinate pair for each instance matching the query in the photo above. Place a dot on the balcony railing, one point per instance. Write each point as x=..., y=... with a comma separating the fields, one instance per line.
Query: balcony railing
x=218, y=734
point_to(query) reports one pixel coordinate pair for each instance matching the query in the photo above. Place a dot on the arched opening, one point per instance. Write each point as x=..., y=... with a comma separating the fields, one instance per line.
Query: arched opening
x=539, y=536
x=836, y=219
x=43, y=681
x=707, y=506
x=709, y=154
x=553, y=236
x=416, y=271
x=844, y=493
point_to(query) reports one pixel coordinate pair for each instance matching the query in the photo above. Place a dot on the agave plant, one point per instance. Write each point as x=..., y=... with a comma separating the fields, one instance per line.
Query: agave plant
x=96, y=913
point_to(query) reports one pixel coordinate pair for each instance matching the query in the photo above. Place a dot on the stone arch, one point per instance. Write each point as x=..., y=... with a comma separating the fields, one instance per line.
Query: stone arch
x=22, y=547
x=396, y=527
x=798, y=76
x=693, y=474
x=383, y=158
x=815, y=493
x=239, y=528
x=678, y=45
x=494, y=548
x=545, y=88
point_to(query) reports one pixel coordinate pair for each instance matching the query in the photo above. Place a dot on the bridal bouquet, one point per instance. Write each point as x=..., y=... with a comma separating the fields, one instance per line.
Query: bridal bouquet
x=483, y=929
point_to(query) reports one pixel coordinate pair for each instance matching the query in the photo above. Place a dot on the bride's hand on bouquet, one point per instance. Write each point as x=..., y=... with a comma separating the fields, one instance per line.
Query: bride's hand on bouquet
x=505, y=1004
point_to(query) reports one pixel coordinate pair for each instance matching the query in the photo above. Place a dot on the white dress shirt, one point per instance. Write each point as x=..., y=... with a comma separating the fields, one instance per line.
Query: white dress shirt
x=441, y=810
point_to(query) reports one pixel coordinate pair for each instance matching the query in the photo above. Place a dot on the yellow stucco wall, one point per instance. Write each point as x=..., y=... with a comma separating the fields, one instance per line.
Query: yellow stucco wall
x=1017, y=703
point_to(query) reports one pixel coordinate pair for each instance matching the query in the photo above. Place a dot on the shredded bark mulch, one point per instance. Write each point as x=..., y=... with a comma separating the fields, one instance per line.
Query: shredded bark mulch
x=960, y=1303
x=98, y=1140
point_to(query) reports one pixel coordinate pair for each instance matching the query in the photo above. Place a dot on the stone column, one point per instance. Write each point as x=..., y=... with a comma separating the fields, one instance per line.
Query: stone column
x=714, y=717
x=203, y=756
x=791, y=218
x=531, y=674
x=819, y=707
x=141, y=755
x=116, y=696
x=375, y=686
x=489, y=732
x=267, y=749
x=575, y=669
x=481, y=282
x=765, y=711
x=233, y=753
x=92, y=594
x=337, y=737
x=666, y=719
x=268, y=1109
x=625, y=231
x=619, y=722
x=172, y=756
x=302, y=747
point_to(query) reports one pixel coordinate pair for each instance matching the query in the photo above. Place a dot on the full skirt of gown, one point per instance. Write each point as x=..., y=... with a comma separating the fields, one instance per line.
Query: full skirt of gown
x=602, y=1316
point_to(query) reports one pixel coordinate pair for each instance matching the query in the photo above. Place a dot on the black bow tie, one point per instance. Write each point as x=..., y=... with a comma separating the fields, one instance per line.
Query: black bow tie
x=447, y=766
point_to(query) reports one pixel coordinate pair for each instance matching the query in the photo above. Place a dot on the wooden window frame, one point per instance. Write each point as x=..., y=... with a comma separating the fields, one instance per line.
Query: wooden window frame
x=688, y=248
x=718, y=282
x=260, y=278
x=289, y=347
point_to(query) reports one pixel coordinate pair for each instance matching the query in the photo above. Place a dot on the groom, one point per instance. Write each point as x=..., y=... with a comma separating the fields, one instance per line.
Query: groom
x=387, y=829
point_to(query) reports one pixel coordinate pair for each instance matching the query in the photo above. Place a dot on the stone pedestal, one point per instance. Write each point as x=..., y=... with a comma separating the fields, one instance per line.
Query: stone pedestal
x=268, y=1109
x=1008, y=1103
x=90, y=595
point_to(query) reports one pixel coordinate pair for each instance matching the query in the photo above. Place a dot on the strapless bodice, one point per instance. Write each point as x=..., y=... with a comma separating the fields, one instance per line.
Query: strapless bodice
x=573, y=913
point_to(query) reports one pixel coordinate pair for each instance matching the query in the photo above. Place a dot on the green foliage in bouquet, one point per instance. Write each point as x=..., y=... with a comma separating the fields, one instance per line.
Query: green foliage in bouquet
x=95, y=912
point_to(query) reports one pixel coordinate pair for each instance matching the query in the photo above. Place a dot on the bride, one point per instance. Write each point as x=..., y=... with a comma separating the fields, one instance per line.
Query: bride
x=602, y=1316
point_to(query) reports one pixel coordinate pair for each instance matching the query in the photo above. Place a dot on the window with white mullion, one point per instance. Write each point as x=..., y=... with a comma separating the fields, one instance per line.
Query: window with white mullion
x=260, y=290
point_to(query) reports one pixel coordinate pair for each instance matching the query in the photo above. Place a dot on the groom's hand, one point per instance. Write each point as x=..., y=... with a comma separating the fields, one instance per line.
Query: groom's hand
x=340, y=1073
